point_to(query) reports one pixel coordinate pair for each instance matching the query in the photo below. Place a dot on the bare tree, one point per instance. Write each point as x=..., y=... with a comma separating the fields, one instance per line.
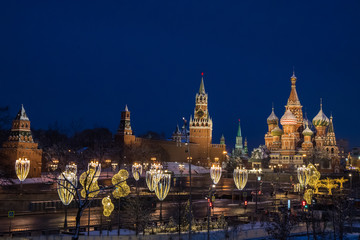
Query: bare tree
x=281, y=225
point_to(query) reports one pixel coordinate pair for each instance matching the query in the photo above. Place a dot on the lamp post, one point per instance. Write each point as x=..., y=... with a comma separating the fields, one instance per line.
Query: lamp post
x=22, y=168
x=181, y=169
x=350, y=175
x=108, y=164
x=189, y=158
x=96, y=166
x=210, y=205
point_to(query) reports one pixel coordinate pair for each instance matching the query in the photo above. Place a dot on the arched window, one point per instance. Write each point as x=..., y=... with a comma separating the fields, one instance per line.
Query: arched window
x=332, y=150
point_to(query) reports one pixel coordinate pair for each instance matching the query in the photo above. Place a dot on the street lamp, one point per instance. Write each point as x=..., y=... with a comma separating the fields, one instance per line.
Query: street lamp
x=22, y=168
x=181, y=169
x=114, y=166
x=66, y=188
x=350, y=175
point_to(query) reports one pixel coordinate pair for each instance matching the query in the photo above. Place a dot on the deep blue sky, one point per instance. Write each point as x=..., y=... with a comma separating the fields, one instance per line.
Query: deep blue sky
x=83, y=61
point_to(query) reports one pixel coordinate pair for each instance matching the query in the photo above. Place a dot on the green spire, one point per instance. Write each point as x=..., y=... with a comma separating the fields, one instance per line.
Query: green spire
x=239, y=130
x=222, y=139
x=202, y=87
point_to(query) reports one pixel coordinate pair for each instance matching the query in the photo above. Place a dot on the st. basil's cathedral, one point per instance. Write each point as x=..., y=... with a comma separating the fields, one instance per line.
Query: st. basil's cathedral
x=301, y=141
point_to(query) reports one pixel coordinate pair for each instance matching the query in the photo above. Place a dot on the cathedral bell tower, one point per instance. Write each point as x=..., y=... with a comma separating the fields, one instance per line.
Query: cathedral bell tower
x=201, y=123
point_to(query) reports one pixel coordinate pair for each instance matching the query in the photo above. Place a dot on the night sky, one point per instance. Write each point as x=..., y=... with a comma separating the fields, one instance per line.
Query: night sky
x=82, y=61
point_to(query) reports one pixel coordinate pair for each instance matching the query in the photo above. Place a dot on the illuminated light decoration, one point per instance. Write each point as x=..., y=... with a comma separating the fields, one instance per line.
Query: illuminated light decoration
x=303, y=176
x=22, y=168
x=162, y=182
x=308, y=195
x=329, y=184
x=151, y=175
x=89, y=182
x=66, y=187
x=341, y=181
x=240, y=178
x=72, y=168
x=136, y=171
x=215, y=173
x=108, y=206
x=202, y=74
x=121, y=191
x=114, y=166
x=314, y=175
x=120, y=177
x=96, y=166
x=119, y=181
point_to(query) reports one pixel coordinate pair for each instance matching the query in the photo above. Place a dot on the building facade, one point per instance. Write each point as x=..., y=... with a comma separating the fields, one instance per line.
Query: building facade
x=299, y=141
x=20, y=144
x=199, y=135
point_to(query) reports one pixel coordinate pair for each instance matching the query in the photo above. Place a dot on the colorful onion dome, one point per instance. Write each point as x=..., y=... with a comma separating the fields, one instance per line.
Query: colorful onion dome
x=307, y=131
x=272, y=119
x=288, y=118
x=277, y=131
x=320, y=119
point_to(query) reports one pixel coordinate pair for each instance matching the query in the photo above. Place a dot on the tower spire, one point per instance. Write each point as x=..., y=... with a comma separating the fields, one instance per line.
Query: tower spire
x=320, y=103
x=239, y=130
x=126, y=108
x=202, y=86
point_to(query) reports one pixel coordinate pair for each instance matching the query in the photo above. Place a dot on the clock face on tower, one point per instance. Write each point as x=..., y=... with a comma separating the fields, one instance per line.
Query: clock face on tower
x=200, y=114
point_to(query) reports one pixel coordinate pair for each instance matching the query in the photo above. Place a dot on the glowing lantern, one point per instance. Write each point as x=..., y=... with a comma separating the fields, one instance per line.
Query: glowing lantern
x=22, y=167
x=303, y=176
x=162, y=182
x=215, y=173
x=108, y=206
x=136, y=171
x=66, y=187
x=240, y=178
x=96, y=166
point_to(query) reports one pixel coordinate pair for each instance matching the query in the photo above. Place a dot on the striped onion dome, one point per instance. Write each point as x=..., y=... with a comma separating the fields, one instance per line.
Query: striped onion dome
x=307, y=131
x=321, y=119
x=277, y=131
x=288, y=118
